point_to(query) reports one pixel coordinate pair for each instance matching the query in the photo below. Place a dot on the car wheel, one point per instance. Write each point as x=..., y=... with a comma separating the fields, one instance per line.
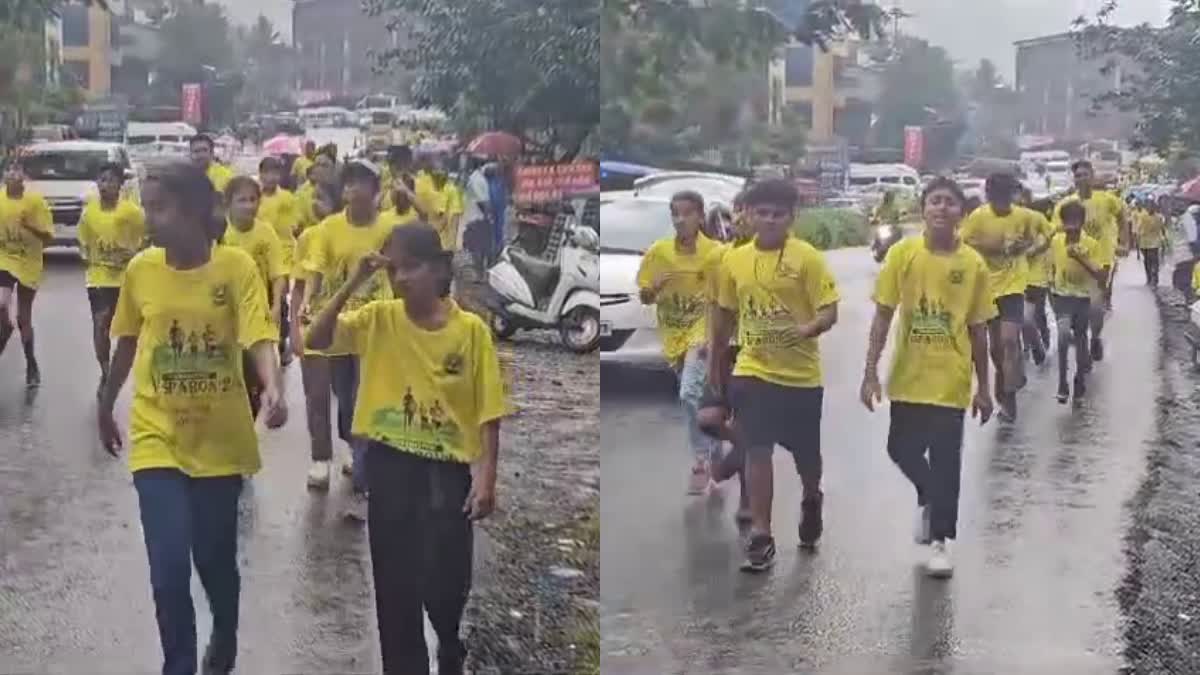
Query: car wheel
x=502, y=327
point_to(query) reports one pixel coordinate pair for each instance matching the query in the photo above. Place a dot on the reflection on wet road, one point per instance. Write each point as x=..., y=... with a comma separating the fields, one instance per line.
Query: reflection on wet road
x=1041, y=526
x=74, y=582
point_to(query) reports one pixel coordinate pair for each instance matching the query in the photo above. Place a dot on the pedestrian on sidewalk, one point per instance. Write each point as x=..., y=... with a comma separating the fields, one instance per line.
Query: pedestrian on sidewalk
x=1077, y=272
x=781, y=296
x=430, y=402
x=671, y=278
x=186, y=311
x=941, y=289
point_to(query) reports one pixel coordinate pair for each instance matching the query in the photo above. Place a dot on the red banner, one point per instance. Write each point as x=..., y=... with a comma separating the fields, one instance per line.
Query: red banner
x=193, y=104
x=541, y=183
x=914, y=146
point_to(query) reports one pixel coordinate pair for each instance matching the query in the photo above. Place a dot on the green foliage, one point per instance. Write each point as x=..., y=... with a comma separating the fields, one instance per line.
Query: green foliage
x=677, y=79
x=526, y=66
x=918, y=88
x=1163, y=88
x=828, y=229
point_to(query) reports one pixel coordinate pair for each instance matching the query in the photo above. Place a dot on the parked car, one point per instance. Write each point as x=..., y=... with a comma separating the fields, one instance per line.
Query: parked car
x=629, y=329
x=65, y=173
x=719, y=186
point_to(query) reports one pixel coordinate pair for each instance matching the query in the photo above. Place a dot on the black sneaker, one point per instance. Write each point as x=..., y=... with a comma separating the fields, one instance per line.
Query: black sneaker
x=1064, y=392
x=760, y=553
x=1039, y=355
x=33, y=376
x=1080, y=387
x=216, y=661
x=1097, y=349
x=811, y=523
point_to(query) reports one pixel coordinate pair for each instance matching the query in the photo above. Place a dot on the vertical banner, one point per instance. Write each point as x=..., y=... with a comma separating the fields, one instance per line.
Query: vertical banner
x=914, y=146
x=192, y=107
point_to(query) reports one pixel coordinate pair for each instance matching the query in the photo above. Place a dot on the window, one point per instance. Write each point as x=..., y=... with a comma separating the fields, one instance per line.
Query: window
x=58, y=165
x=79, y=72
x=75, y=25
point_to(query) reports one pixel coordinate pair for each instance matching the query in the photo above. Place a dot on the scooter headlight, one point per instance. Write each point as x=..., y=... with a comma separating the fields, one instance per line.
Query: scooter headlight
x=885, y=232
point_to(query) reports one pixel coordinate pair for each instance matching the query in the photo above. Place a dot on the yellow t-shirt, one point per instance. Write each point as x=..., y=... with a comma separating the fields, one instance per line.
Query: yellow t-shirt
x=220, y=175
x=1104, y=211
x=984, y=227
x=300, y=169
x=264, y=248
x=108, y=240
x=306, y=198
x=1069, y=277
x=424, y=392
x=937, y=296
x=282, y=211
x=20, y=249
x=1039, y=265
x=1151, y=231
x=441, y=206
x=1196, y=279
x=336, y=252
x=189, y=398
x=682, y=304
x=772, y=292
x=303, y=247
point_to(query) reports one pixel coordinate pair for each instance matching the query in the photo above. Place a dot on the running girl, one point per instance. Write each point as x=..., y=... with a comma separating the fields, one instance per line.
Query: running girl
x=186, y=312
x=942, y=290
x=433, y=428
x=256, y=237
x=111, y=231
x=26, y=226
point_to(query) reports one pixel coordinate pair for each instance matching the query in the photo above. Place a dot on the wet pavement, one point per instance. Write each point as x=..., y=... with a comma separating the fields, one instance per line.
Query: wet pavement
x=74, y=581
x=1039, y=562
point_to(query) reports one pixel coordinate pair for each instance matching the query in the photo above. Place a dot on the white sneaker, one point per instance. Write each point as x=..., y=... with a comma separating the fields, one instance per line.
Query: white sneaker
x=921, y=526
x=939, y=565
x=318, y=475
x=348, y=467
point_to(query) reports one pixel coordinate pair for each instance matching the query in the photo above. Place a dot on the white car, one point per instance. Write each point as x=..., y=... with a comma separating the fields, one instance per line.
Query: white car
x=65, y=172
x=716, y=186
x=629, y=225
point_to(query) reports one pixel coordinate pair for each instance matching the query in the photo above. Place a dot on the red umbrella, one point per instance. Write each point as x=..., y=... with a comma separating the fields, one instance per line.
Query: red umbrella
x=495, y=144
x=284, y=145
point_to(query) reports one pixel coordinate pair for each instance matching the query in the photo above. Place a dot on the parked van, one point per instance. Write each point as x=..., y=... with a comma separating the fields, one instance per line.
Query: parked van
x=871, y=177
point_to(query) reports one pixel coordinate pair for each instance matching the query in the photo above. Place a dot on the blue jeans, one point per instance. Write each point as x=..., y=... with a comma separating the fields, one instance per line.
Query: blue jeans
x=693, y=378
x=345, y=389
x=184, y=520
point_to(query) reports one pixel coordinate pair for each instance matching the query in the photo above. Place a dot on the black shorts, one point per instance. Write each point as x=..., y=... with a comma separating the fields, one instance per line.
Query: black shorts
x=1073, y=308
x=7, y=280
x=1036, y=294
x=103, y=298
x=1011, y=308
x=770, y=414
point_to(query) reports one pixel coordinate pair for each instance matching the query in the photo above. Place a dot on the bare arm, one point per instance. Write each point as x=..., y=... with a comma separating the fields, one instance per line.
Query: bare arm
x=877, y=338
x=320, y=334
x=482, y=499
x=720, y=332
x=980, y=356
x=278, y=286
x=118, y=370
x=825, y=319
x=266, y=363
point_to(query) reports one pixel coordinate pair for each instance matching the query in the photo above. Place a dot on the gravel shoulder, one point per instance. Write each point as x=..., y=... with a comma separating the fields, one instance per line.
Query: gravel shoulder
x=535, y=601
x=1160, y=594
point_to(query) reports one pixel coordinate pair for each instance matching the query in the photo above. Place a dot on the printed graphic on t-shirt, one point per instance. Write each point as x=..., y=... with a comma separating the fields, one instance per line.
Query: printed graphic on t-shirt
x=929, y=322
x=14, y=242
x=420, y=426
x=192, y=363
x=680, y=311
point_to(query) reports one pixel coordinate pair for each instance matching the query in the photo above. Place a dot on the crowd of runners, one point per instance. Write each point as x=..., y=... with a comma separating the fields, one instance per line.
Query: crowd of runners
x=741, y=309
x=190, y=291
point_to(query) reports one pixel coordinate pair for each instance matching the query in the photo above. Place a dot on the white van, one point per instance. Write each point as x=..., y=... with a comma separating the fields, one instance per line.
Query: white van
x=873, y=177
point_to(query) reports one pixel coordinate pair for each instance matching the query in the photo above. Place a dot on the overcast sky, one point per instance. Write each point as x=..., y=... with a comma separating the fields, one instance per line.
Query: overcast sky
x=974, y=29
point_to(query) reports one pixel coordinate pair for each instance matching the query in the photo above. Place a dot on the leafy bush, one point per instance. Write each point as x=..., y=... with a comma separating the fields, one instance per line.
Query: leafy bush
x=832, y=228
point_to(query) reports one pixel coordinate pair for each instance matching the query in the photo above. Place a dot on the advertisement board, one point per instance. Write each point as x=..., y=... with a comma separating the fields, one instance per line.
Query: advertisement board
x=542, y=183
x=192, y=107
x=914, y=146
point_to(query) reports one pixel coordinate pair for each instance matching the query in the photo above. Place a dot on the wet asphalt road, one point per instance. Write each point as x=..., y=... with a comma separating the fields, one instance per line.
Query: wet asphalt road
x=74, y=582
x=1038, y=564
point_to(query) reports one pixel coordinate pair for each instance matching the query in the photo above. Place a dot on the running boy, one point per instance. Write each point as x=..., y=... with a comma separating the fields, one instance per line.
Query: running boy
x=430, y=404
x=111, y=231
x=1078, y=274
x=781, y=296
x=279, y=207
x=186, y=312
x=672, y=279
x=942, y=291
x=26, y=227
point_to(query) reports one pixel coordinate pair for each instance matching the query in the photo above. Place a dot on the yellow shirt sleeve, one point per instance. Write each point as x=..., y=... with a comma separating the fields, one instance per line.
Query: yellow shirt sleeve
x=983, y=307
x=648, y=269
x=887, y=286
x=490, y=398
x=821, y=285
x=254, y=321
x=1196, y=279
x=353, y=327
x=127, y=317
x=727, y=297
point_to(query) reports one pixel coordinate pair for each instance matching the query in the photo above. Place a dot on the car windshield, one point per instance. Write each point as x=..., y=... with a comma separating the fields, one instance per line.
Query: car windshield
x=632, y=226
x=62, y=165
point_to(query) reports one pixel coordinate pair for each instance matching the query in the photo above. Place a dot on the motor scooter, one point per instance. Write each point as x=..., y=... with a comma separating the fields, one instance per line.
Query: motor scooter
x=883, y=238
x=558, y=291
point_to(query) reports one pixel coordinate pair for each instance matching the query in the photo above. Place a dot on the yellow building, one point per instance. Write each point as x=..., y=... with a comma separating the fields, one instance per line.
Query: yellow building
x=88, y=51
x=829, y=87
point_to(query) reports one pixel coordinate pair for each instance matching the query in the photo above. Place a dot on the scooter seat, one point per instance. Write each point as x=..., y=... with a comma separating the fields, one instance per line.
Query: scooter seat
x=539, y=272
